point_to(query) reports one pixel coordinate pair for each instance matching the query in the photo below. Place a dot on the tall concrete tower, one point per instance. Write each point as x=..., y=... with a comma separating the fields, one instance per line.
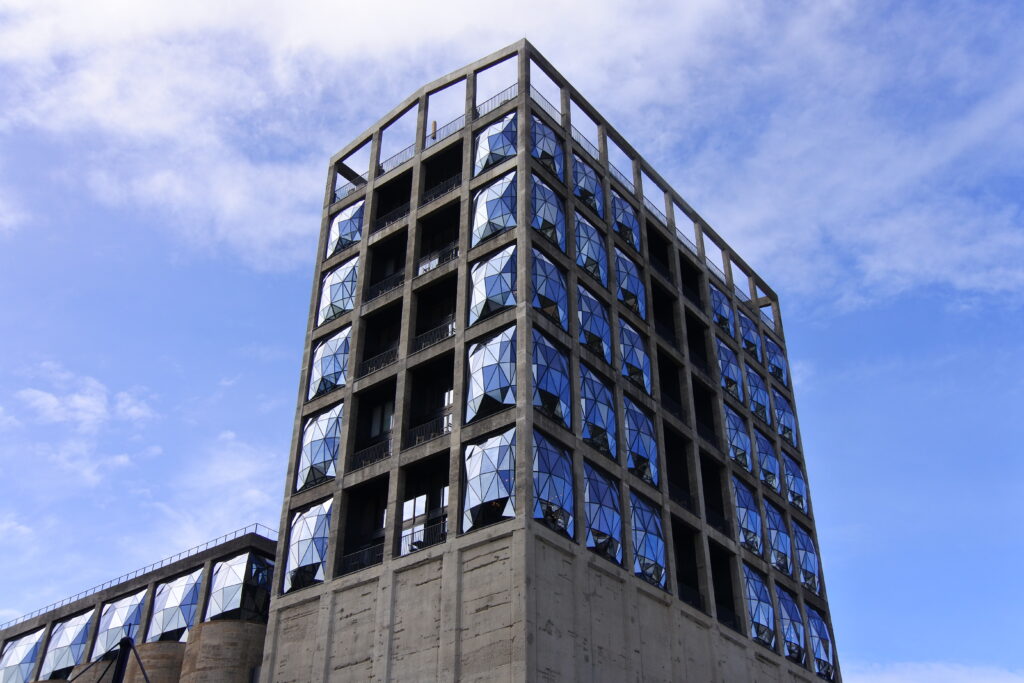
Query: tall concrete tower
x=546, y=428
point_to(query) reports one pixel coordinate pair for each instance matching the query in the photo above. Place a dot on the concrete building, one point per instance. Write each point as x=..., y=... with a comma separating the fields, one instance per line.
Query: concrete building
x=198, y=617
x=546, y=428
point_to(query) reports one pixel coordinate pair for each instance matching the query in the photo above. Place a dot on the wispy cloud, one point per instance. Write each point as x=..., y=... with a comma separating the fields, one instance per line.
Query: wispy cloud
x=81, y=401
x=930, y=672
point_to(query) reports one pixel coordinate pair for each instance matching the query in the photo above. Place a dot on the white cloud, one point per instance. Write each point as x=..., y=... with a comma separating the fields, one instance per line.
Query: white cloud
x=8, y=421
x=930, y=672
x=85, y=407
x=132, y=408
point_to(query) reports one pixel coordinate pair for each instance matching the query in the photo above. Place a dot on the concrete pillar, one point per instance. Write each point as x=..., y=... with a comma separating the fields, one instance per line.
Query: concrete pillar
x=161, y=660
x=223, y=651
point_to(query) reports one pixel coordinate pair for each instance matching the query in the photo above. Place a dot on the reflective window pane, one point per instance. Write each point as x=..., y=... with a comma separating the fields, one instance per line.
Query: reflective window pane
x=586, y=185
x=779, y=544
x=750, y=337
x=793, y=640
x=494, y=209
x=636, y=363
x=595, y=330
x=549, y=290
x=806, y=558
x=240, y=588
x=338, y=291
x=603, y=512
x=648, y=541
x=759, y=607
x=495, y=143
x=796, y=483
x=492, y=284
x=330, y=364
x=492, y=374
x=642, y=453
x=551, y=392
x=625, y=221
x=630, y=289
x=738, y=436
x=821, y=645
x=118, y=619
x=552, y=485
x=748, y=517
x=346, y=229
x=785, y=418
x=547, y=212
x=778, y=366
x=490, y=494
x=321, y=440
x=546, y=147
x=18, y=658
x=66, y=649
x=308, y=541
x=174, y=608
x=591, y=254
x=721, y=311
x=597, y=406
x=758, y=395
x=730, y=370
x=768, y=462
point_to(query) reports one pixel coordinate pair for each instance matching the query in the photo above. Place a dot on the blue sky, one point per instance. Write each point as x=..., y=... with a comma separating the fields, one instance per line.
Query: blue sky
x=161, y=177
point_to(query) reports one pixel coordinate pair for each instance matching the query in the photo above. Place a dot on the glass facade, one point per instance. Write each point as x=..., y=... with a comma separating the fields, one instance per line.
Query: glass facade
x=330, y=364
x=779, y=544
x=321, y=441
x=586, y=185
x=785, y=418
x=648, y=541
x=492, y=284
x=793, y=639
x=495, y=143
x=595, y=329
x=338, y=292
x=591, y=254
x=494, y=209
x=721, y=311
x=732, y=382
x=630, y=289
x=796, y=485
x=490, y=467
x=492, y=374
x=759, y=607
x=552, y=485
x=778, y=366
x=738, y=437
x=346, y=229
x=748, y=516
x=806, y=558
x=118, y=619
x=768, y=462
x=597, y=408
x=636, y=363
x=551, y=386
x=308, y=542
x=549, y=291
x=18, y=658
x=750, y=337
x=240, y=587
x=641, y=444
x=547, y=212
x=174, y=608
x=603, y=513
x=625, y=221
x=546, y=147
x=758, y=395
x=66, y=649
x=821, y=644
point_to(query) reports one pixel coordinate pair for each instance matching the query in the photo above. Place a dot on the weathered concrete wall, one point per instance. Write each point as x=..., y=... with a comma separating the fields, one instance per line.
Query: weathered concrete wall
x=223, y=652
x=162, y=662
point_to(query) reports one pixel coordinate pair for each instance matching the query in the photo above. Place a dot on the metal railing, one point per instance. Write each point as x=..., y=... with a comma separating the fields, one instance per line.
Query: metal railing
x=257, y=528
x=434, y=336
x=687, y=242
x=493, y=103
x=360, y=559
x=658, y=213
x=379, y=289
x=391, y=217
x=437, y=258
x=371, y=454
x=396, y=160
x=445, y=131
x=715, y=269
x=618, y=175
x=441, y=189
x=545, y=104
x=740, y=294
x=378, y=362
x=767, y=319
x=429, y=430
x=424, y=537
x=348, y=188
x=586, y=144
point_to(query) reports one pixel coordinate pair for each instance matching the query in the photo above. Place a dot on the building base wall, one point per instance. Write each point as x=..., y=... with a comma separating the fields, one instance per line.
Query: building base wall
x=223, y=652
x=162, y=662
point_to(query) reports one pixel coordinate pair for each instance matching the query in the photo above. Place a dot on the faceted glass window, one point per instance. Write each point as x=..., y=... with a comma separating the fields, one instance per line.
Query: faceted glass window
x=492, y=284
x=19, y=656
x=595, y=330
x=779, y=544
x=591, y=254
x=625, y=221
x=240, y=588
x=648, y=541
x=495, y=143
x=630, y=286
x=785, y=418
x=641, y=444
x=551, y=392
x=490, y=481
x=821, y=645
x=552, y=485
x=738, y=437
x=492, y=374
x=330, y=364
x=547, y=212
x=748, y=518
x=321, y=439
x=603, y=512
x=758, y=395
x=587, y=185
x=768, y=462
x=778, y=367
x=307, y=547
x=346, y=229
x=806, y=558
x=66, y=648
x=338, y=292
x=796, y=484
x=792, y=622
x=118, y=619
x=546, y=147
x=494, y=209
x=721, y=311
x=549, y=291
x=759, y=607
x=636, y=363
x=730, y=367
x=174, y=608
x=597, y=405
x=750, y=337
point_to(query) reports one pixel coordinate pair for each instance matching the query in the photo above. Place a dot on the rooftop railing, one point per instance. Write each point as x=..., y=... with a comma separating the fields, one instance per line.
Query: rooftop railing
x=740, y=294
x=257, y=528
x=618, y=175
x=767, y=319
x=715, y=269
x=396, y=160
x=348, y=188
x=586, y=144
x=493, y=103
x=687, y=242
x=658, y=213
x=546, y=105
x=446, y=131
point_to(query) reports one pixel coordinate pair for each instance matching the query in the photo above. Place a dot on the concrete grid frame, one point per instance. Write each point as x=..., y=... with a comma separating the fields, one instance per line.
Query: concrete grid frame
x=515, y=600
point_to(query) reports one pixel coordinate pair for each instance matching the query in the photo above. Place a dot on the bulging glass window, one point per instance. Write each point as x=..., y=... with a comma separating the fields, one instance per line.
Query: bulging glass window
x=597, y=406
x=66, y=649
x=330, y=364
x=759, y=607
x=586, y=185
x=118, y=620
x=721, y=311
x=494, y=209
x=648, y=541
x=240, y=588
x=549, y=291
x=338, y=292
x=591, y=254
x=806, y=558
x=551, y=393
x=492, y=284
x=779, y=544
x=796, y=484
x=308, y=541
x=174, y=608
x=778, y=366
x=603, y=512
x=492, y=374
x=750, y=337
x=547, y=212
x=625, y=221
x=738, y=437
x=730, y=370
x=595, y=330
x=758, y=395
x=636, y=363
x=321, y=441
x=490, y=494
x=821, y=645
x=346, y=229
x=18, y=658
x=546, y=147
x=785, y=418
x=793, y=641
x=748, y=517
x=552, y=485
x=495, y=143
x=768, y=462
x=630, y=286
x=642, y=453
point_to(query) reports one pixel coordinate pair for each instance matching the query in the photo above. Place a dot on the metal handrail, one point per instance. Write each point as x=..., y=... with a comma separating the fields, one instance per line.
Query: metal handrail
x=441, y=189
x=429, y=430
x=391, y=217
x=256, y=528
x=546, y=105
x=396, y=160
x=445, y=131
x=618, y=175
x=379, y=289
x=378, y=362
x=715, y=270
x=658, y=213
x=424, y=537
x=583, y=142
x=360, y=559
x=371, y=454
x=437, y=258
x=767, y=320
x=348, y=188
x=496, y=101
x=740, y=294
x=435, y=335
x=687, y=242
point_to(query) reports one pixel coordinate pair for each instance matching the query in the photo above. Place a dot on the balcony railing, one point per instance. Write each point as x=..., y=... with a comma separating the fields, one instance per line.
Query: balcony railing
x=437, y=258
x=681, y=495
x=429, y=430
x=396, y=160
x=391, y=217
x=715, y=269
x=546, y=105
x=348, y=188
x=767, y=319
x=445, y=131
x=658, y=213
x=434, y=336
x=379, y=289
x=371, y=454
x=707, y=432
x=588, y=146
x=424, y=537
x=740, y=294
x=687, y=242
x=378, y=362
x=360, y=559
x=618, y=175
x=501, y=98
x=441, y=189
